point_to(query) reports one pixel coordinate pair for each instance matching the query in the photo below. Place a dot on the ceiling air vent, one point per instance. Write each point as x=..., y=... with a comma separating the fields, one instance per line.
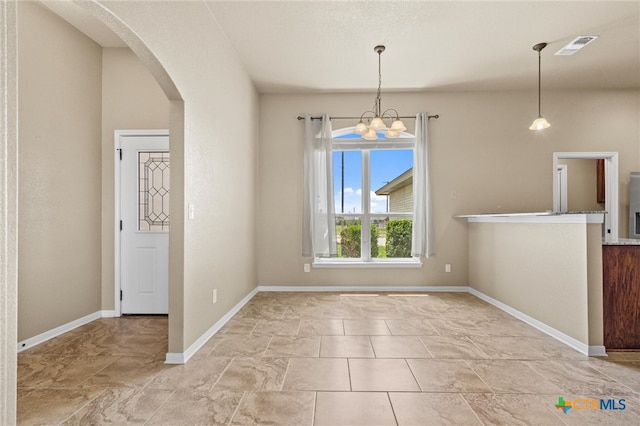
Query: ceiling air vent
x=575, y=45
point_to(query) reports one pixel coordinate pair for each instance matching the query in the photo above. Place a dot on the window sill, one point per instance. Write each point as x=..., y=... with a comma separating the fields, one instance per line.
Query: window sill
x=405, y=263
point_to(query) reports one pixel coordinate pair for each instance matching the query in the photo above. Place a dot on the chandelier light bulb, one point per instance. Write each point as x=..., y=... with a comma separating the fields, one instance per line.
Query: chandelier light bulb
x=391, y=134
x=360, y=128
x=371, y=135
x=398, y=126
x=377, y=124
x=539, y=124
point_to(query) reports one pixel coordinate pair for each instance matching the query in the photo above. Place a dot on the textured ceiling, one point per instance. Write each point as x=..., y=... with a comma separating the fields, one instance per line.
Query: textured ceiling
x=309, y=46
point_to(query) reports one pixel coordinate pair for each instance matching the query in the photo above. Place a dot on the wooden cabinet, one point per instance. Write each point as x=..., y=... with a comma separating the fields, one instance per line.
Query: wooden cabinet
x=600, y=182
x=621, y=296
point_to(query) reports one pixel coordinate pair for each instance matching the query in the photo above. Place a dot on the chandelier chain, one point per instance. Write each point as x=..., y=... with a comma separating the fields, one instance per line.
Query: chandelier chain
x=377, y=107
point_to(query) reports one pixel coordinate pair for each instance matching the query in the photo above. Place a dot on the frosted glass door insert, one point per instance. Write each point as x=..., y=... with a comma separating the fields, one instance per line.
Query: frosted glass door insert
x=153, y=191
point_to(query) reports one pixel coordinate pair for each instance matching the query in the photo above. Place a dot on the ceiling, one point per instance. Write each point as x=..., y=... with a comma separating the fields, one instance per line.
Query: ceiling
x=327, y=46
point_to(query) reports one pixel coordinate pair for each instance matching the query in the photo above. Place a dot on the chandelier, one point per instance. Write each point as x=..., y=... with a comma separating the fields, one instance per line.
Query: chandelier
x=375, y=119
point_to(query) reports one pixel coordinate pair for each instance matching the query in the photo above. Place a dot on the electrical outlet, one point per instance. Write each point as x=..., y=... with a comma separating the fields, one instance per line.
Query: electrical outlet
x=215, y=295
x=447, y=267
x=307, y=267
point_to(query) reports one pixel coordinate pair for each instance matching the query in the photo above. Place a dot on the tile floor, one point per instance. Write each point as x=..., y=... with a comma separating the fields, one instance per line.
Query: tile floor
x=326, y=359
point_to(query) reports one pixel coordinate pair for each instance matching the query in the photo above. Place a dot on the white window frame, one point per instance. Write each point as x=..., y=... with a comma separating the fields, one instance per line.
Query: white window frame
x=405, y=141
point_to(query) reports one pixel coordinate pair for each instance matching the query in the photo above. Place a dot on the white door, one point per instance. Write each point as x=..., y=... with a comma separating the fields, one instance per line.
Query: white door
x=144, y=235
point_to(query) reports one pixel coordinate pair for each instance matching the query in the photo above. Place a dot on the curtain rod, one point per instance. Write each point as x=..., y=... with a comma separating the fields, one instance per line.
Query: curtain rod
x=301, y=117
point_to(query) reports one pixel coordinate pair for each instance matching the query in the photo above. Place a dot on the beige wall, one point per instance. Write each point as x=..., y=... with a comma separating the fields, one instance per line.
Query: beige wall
x=218, y=157
x=59, y=90
x=539, y=269
x=595, y=284
x=581, y=185
x=131, y=99
x=481, y=148
x=8, y=214
x=550, y=272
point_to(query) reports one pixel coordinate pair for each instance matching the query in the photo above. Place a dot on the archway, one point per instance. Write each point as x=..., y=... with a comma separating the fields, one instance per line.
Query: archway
x=176, y=130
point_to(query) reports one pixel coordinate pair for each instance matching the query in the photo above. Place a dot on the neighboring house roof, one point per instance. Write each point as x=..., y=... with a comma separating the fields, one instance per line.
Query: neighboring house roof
x=401, y=181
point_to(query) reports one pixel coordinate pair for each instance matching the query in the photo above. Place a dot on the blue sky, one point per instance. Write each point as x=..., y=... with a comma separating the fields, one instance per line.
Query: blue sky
x=386, y=165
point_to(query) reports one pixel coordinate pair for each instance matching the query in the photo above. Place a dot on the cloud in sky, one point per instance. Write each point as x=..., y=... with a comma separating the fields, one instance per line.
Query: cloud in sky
x=378, y=203
x=353, y=201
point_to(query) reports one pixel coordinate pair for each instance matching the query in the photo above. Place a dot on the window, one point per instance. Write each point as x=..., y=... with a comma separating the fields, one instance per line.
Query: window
x=366, y=203
x=153, y=191
x=373, y=190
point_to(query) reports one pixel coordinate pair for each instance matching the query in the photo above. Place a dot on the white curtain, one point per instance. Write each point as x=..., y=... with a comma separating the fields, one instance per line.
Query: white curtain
x=318, y=214
x=423, y=235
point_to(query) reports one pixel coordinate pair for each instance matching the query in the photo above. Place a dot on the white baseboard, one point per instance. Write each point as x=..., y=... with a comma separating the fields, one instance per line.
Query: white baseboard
x=181, y=358
x=174, y=358
x=47, y=335
x=391, y=289
x=583, y=348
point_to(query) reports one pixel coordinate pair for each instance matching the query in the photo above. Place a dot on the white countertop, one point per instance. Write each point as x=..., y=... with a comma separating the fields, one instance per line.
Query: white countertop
x=537, y=217
x=503, y=214
x=621, y=242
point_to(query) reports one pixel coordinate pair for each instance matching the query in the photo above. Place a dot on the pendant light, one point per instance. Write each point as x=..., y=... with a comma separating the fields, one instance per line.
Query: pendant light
x=375, y=118
x=540, y=122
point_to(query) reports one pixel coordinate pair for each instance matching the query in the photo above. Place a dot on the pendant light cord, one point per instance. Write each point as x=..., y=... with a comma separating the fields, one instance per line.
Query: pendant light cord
x=539, y=83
